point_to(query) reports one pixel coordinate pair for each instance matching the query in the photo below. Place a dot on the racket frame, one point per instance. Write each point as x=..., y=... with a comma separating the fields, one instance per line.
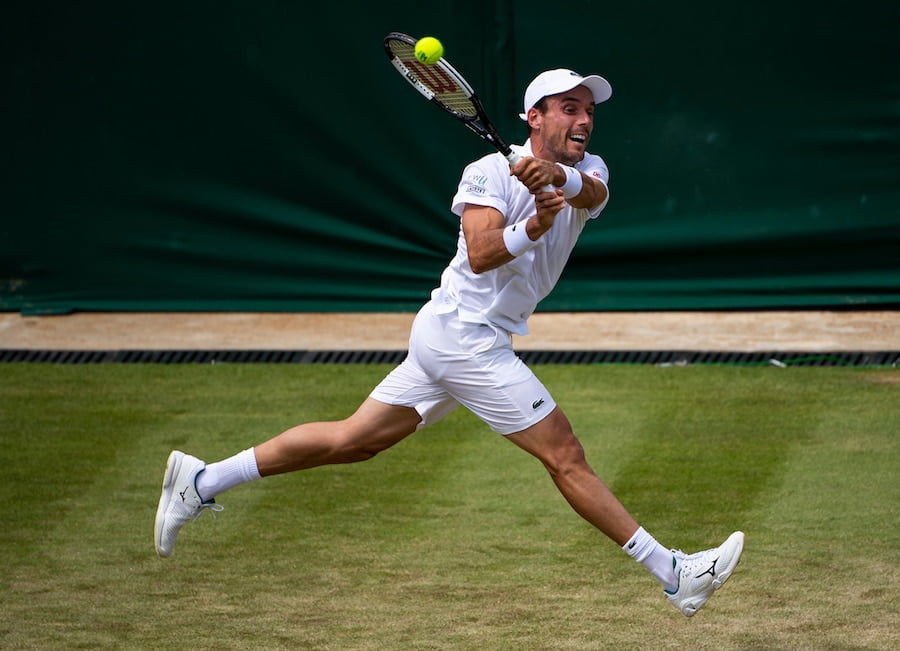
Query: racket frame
x=415, y=71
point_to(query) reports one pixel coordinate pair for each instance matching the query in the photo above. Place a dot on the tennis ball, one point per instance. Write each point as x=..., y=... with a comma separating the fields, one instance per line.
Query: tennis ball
x=429, y=50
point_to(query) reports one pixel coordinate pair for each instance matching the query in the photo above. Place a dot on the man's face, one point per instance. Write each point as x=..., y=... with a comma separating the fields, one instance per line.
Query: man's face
x=565, y=128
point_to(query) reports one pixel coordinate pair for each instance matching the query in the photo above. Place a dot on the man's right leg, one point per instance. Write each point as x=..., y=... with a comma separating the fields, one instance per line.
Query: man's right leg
x=187, y=492
x=374, y=427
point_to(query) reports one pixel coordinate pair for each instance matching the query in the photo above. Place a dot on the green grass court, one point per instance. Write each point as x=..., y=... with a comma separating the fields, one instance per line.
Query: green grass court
x=454, y=539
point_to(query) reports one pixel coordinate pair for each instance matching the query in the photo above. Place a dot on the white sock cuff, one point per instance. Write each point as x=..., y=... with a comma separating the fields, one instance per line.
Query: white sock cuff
x=640, y=546
x=647, y=551
x=228, y=473
x=248, y=464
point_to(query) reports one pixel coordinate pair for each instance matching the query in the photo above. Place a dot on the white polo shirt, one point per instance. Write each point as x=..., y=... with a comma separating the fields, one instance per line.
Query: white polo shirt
x=507, y=296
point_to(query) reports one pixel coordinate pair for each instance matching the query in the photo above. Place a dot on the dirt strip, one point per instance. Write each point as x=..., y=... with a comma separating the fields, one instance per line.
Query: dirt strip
x=813, y=331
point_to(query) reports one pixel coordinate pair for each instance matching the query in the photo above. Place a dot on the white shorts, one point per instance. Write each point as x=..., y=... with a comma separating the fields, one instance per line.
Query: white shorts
x=451, y=363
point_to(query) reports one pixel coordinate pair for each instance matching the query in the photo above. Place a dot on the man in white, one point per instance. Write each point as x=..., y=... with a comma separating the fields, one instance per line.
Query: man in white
x=515, y=239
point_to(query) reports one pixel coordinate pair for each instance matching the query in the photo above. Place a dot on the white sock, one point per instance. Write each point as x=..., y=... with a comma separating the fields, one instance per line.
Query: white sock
x=645, y=550
x=220, y=476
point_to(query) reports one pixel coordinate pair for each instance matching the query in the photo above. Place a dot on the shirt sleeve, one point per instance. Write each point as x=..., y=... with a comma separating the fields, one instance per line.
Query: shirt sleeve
x=594, y=167
x=482, y=185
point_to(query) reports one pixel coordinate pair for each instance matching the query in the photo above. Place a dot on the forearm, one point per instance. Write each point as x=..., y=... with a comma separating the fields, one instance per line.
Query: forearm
x=580, y=190
x=494, y=247
x=491, y=242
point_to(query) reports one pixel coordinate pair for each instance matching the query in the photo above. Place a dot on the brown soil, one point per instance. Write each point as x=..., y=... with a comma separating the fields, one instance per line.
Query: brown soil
x=709, y=331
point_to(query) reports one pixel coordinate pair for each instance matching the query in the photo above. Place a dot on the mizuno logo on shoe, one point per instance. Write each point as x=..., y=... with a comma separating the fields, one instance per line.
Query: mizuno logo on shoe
x=537, y=403
x=712, y=569
x=183, y=492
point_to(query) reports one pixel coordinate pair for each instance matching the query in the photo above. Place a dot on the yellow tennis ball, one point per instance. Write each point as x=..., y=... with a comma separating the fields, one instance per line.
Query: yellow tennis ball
x=429, y=50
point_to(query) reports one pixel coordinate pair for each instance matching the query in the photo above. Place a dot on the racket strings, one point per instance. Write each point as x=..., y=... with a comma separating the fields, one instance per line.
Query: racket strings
x=437, y=79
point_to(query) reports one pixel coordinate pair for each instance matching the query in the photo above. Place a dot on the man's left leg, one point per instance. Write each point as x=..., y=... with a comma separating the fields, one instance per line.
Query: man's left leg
x=552, y=441
x=687, y=580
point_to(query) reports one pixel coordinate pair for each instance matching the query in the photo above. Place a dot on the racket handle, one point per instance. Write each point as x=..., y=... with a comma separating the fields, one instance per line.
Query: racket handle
x=513, y=158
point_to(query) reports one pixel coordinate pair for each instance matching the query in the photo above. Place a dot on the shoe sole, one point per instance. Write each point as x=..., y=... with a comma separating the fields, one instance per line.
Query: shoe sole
x=173, y=466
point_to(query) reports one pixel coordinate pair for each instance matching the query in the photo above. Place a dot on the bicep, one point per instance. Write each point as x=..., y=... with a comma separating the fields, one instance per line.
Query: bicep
x=478, y=219
x=482, y=228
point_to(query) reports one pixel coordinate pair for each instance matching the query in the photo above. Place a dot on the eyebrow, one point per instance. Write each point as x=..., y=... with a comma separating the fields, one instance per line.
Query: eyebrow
x=573, y=98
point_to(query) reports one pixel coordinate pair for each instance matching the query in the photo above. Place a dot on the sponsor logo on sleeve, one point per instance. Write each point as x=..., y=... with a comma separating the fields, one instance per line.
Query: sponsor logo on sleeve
x=475, y=184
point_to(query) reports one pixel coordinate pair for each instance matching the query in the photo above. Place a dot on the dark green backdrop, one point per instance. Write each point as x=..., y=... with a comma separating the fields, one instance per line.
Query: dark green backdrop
x=213, y=155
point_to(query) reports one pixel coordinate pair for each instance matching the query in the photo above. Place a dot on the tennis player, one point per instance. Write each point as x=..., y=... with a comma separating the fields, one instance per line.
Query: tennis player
x=514, y=242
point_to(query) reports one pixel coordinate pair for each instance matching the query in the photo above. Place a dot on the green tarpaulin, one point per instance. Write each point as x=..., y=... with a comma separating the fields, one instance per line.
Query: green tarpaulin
x=265, y=156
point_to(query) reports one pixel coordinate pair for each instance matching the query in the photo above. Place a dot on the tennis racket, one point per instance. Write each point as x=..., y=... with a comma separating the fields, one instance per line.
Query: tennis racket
x=442, y=84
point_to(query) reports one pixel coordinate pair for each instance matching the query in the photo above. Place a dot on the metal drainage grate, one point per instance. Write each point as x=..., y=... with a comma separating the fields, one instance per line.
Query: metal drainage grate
x=657, y=357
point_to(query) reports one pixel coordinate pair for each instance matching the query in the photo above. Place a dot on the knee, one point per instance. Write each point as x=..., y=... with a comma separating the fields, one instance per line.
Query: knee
x=352, y=449
x=363, y=452
x=353, y=444
x=566, y=458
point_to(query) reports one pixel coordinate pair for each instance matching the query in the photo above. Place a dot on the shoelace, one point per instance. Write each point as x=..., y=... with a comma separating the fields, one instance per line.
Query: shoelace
x=212, y=507
x=689, y=563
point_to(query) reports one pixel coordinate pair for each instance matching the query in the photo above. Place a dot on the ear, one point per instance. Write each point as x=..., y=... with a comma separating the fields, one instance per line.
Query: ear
x=534, y=118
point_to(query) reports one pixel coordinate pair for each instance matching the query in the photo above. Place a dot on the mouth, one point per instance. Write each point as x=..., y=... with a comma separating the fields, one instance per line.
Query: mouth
x=579, y=138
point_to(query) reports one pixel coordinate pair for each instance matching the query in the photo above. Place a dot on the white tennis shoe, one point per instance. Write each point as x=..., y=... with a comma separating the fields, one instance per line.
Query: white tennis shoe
x=701, y=574
x=179, y=502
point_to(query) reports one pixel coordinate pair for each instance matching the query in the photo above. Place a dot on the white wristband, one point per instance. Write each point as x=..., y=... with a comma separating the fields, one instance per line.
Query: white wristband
x=573, y=183
x=516, y=239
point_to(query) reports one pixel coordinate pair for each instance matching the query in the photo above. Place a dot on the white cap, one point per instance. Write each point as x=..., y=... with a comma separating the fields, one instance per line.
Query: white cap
x=553, y=82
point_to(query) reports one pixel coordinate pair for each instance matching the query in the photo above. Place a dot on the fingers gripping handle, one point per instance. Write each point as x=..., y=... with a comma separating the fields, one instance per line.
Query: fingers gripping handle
x=513, y=158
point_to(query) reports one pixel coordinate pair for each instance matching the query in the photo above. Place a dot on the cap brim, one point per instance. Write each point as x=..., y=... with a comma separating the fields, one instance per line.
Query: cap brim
x=598, y=86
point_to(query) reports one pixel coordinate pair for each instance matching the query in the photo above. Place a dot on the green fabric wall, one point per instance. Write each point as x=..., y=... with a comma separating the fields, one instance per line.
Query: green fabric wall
x=265, y=156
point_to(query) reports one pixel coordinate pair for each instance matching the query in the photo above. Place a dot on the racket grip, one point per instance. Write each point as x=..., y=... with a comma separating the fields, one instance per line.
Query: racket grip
x=513, y=158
